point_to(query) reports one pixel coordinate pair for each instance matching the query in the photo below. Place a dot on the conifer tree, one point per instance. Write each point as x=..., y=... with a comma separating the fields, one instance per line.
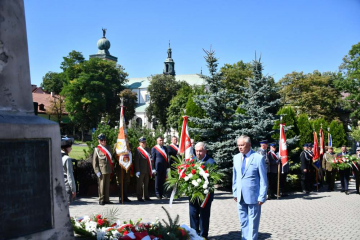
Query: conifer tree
x=291, y=129
x=256, y=118
x=338, y=133
x=305, y=129
x=215, y=128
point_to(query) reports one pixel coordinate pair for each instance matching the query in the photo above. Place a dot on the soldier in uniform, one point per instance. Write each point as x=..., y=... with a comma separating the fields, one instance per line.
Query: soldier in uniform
x=70, y=183
x=103, y=166
x=144, y=168
x=329, y=157
x=263, y=151
x=273, y=175
x=173, y=149
x=357, y=170
x=305, y=166
x=345, y=173
x=160, y=157
x=126, y=180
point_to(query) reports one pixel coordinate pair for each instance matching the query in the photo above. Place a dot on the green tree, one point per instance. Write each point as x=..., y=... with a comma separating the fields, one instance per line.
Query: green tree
x=162, y=89
x=215, y=128
x=53, y=82
x=70, y=64
x=305, y=129
x=94, y=92
x=291, y=128
x=56, y=108
x=130, y=101
x=350, y=83
x=314, y=93
x=178, y=104
x=338, y=133
x=236, y=75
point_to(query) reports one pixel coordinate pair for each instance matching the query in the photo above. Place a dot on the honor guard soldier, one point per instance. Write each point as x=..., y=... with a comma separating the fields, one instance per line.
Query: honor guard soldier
x=345, y=173
x=173, y=149
x=159, y=155
x=144, y=169
x=126, y=180
x=329, y=158
x=273, y=175
x=263, y=151
x=357, y=170
x=305, y=166
x=103, y=166
x=70, y=183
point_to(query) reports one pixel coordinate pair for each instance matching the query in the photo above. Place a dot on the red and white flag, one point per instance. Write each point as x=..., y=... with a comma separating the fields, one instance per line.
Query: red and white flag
x=282, y=146
x=185, y=143
x=322, y=145
x=123, y=150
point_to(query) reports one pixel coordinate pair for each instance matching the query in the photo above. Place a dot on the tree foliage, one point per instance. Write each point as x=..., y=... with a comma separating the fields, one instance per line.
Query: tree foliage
x=130, y=101
x=57, y=107
x=162, y=89
x=305, y=129
x=94, y=92
x=314, y=93
x=291, y=128
x=350, y=83
x=53, y=82
x=338, y=133
x=236, y=75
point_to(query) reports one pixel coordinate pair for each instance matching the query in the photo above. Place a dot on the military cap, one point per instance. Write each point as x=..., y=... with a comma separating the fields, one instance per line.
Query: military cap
x=142, y=139
x=66, y=142
x=263, y=142
x=102, y=136
x=272, y=144
x=305, y=145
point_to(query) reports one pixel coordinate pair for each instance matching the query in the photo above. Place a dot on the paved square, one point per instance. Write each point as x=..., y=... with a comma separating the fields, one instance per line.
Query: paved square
x=319, y=215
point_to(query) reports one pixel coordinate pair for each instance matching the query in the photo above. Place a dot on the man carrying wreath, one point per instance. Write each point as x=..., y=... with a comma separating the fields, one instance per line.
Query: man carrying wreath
x=200, y=216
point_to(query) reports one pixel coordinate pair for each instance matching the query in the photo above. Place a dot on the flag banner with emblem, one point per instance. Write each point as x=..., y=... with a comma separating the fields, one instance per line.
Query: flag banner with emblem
x=123, y=150
x=329, y=140
x=322, y=146
x=283, y=147
x=316, y=155
x=185, y=143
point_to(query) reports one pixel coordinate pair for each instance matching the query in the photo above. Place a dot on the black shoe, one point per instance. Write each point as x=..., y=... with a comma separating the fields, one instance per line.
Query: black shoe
x=346, y=192
x=159, y=197
x=342, y=190
x=304, y=192
x=148, y=199
x=141, y=200
x=272, y=196
x=284, y=195
x=101, y=203
x=108, y=202
x=127, y=200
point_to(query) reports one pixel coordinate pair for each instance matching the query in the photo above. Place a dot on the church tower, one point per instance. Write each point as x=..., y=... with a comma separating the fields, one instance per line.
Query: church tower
x=103, y=46
x=169, y=68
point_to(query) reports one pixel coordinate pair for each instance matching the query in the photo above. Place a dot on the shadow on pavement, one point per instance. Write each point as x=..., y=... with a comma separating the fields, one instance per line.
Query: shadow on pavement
x=237, y=235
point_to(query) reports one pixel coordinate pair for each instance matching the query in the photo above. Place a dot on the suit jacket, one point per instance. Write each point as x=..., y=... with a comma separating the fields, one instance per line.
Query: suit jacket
x=172, y=152
x=160, y=163
x=274, y=162
x=252, y=185
x=140, y=162
x=208, y=160
x=305, y=163
x=100, y=162
x=264, y=153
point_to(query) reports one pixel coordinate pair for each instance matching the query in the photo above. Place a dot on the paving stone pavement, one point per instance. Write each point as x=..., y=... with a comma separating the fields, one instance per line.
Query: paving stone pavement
x=319, y=215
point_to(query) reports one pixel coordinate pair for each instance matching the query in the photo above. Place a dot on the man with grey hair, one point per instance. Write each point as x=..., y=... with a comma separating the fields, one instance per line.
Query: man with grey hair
x=200, y=217
x=249, y=187
x=173, y=149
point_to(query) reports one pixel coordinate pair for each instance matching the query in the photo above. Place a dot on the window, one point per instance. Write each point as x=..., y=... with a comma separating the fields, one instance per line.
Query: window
x=139, y=122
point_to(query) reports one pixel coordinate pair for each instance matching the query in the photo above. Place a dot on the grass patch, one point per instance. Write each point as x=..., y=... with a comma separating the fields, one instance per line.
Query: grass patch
x=77, y=152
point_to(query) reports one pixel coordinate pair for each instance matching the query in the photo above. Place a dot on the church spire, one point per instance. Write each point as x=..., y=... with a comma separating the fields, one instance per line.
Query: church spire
x=169, y=68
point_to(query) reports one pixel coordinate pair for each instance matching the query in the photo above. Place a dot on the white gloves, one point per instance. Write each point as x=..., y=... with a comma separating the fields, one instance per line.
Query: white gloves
x=167, y=171
x=154, y=171
x=98, y=174
x=137, y=174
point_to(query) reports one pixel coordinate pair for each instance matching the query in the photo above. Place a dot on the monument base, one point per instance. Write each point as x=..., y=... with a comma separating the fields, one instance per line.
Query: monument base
x=33, y=199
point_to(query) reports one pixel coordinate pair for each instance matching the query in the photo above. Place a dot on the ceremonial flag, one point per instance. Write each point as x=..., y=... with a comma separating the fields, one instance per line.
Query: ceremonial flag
x=282, y=147
x=185, y=143
x=329, y=139
x=316, y=155
x=322, y=146
x=123, y=150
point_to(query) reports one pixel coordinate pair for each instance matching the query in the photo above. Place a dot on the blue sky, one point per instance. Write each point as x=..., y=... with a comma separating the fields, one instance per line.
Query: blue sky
x=302, y=35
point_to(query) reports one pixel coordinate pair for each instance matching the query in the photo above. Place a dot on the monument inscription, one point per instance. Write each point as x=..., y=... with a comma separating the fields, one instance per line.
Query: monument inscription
x=25, y=187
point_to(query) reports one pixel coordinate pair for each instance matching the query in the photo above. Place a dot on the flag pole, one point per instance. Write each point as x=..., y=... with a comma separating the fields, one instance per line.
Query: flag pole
x=122, y=169
x=278, y=180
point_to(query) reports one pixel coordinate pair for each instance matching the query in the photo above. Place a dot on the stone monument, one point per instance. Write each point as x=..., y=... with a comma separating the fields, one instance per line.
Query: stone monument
x=32, y=193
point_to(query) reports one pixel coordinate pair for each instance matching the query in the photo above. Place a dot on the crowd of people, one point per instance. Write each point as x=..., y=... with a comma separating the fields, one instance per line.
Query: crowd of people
x=257, y=176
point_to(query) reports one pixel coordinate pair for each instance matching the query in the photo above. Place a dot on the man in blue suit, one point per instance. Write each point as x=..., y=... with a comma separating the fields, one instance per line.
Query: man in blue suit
x=160, y=157
x=200, y=217
x=249, y=187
